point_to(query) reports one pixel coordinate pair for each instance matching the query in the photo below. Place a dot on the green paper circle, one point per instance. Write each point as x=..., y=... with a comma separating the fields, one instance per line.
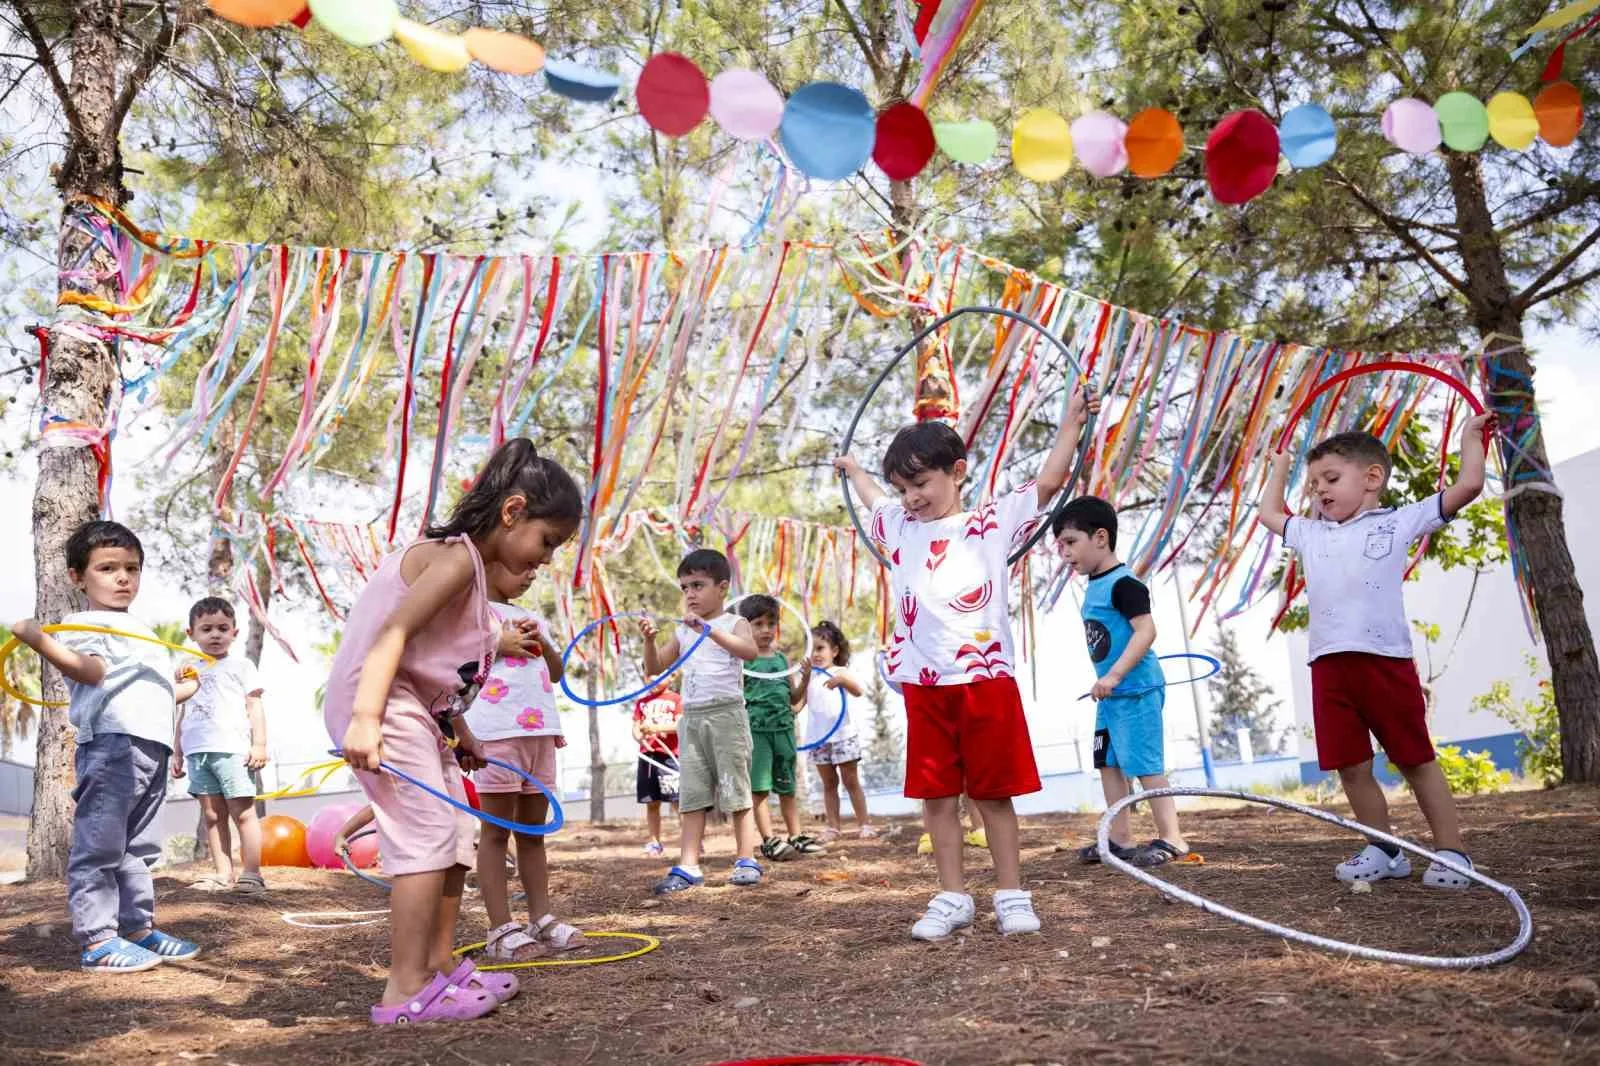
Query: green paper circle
x=1463, y=121
x=973, y=141
x=361, y=23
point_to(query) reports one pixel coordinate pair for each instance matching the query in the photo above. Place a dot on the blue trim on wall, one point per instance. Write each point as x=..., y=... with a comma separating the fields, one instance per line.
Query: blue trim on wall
x=1502, y=748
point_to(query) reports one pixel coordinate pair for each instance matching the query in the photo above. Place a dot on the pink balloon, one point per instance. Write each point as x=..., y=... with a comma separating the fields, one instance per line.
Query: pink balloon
x=321, y=830
x=1097, y=138
x=1411, y=125
x=364, y=852
x=745, y=105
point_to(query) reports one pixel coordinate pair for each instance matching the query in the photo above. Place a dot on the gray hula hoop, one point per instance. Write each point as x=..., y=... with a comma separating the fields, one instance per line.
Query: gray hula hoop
x=910, y=346
x=1436, y=962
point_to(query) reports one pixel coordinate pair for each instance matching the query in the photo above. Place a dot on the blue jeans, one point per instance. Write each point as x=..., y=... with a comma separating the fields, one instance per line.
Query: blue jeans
x=121, y=783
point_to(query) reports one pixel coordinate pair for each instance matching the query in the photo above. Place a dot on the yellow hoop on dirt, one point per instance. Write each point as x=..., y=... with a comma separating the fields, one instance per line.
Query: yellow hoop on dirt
x=650, y=944
x=13, y=644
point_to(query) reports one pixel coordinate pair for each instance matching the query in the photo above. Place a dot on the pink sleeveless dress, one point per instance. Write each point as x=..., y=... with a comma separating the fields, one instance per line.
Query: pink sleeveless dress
x=442, y=665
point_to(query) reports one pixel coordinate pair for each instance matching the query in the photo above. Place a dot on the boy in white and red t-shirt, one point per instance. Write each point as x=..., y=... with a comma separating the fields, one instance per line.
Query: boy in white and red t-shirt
x=952, y=651
x=655, y=727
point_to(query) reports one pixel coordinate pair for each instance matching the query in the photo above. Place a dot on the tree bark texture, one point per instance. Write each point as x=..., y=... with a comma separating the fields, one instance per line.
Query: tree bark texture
x=597, y=757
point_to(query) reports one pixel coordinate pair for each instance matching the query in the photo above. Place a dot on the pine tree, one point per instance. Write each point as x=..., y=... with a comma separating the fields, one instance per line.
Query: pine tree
x=1243, y=701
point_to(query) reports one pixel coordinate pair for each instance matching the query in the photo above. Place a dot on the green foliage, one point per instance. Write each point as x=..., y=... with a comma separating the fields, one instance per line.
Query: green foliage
x=1537, y=719
x=1242, y=701
x=1468, y=773
x=17, y=716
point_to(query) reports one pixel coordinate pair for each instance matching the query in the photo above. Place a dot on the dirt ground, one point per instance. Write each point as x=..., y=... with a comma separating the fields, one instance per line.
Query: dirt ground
x=819, y=960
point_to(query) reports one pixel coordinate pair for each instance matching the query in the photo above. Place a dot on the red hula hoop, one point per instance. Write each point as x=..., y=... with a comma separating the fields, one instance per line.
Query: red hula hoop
x=824, y=1060
x=1371, y=368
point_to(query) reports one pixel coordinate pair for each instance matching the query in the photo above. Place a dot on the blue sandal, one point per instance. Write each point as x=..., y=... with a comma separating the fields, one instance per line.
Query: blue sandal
x=119, y=956
x=677, y=880
x=168, y=948
x=746, y=872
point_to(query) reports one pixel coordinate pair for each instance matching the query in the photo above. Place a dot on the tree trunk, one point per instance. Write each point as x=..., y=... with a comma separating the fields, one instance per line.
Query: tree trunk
x=597, y=757
x=254, y=642
x=76, y=385
x=1534, y=516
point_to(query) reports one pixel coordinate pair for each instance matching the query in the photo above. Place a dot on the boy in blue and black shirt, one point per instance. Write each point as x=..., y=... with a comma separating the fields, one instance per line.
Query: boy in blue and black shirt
x=1130, y=692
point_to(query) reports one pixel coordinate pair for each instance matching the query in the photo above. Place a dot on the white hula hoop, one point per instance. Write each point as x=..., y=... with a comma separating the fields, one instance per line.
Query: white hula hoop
x=295, y=918
x=805, y=658
x=1437, y=962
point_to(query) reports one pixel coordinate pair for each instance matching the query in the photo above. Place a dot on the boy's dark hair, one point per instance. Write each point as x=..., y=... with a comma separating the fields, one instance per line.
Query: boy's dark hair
x=757, y=606
x=211, y=605
x=707, y=561
x=924, y=446
x=1087, y=514
x=835, y=636
x=515, y=469
x=99, y=533
x=1358, y=447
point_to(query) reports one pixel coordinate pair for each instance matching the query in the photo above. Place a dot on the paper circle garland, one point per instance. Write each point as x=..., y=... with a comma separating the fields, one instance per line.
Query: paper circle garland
x=1098, y=140
x=1411, y=126
x=1241, y=157
x=578, y=82
x=1307, y=136
x=1041, y=145
x=1512, y=122
x=828, y=130
x=903, y=142
x=361, y=23
x=259, y=14
x=973, y=141
x=1559, y=109
x=1463, y=121
x=745, y=105
x=431, y=48
x=1154, y=141
x=672, y=94
x=508, y=53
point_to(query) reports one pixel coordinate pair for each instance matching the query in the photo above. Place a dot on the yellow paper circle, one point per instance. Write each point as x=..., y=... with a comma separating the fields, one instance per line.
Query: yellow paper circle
x=1512, y=121
x=1041, y=145
x=431, y=48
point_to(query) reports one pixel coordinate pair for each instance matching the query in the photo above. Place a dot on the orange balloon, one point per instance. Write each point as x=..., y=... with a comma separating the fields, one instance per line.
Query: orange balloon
x=258, y=13
x=1154, y=141
x=1559, y=108
x=505, y=52
x=283, y=841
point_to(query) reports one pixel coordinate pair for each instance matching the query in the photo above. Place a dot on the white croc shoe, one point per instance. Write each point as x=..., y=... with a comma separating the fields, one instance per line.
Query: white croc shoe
x=947, y=912
x=1439, y=877
x=1013, y=912
x=1373, y=864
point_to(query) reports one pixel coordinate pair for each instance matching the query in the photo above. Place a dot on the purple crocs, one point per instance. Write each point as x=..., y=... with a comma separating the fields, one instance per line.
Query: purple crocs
x=438, y=1001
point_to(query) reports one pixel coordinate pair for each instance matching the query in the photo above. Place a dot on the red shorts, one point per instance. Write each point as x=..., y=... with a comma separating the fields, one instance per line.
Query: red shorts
x=1354, y=693
x=970, y=738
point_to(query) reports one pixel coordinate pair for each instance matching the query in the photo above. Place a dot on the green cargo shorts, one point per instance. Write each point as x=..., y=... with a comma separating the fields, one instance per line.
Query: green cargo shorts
x=714, y=756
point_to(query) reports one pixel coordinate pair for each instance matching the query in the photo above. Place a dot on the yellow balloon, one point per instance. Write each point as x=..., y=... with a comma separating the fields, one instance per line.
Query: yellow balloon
x=444, y=52
x=1041, y=145
x=1512, y=121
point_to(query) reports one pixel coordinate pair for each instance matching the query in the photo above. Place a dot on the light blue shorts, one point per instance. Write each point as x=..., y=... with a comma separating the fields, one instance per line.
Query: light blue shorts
x=219, y=773
x=1128, y=734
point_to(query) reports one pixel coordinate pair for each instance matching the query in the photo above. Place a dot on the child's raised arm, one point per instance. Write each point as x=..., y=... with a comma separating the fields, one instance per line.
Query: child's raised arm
x=1469, y=482
x=1058, y=464
x=840, y=679
x=74, y=665
x=860, y=480
x=1272, y=511
x=654, y=656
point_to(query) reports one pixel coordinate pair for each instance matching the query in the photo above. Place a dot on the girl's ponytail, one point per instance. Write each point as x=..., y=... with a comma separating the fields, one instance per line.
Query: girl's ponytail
x=515, y=469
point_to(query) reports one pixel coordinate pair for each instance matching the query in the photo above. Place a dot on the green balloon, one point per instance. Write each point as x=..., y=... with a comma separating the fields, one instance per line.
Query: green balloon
x=966, y=142
x=362, y=23
x=1463, y=121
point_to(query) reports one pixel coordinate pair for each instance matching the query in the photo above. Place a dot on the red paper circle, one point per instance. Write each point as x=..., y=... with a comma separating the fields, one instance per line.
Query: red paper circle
x=904, y=142
x=672, y=93
x=303, y=19
x=1241, y=157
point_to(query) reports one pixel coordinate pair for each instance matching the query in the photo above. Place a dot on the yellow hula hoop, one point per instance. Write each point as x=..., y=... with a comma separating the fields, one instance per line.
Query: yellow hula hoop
x=13, y=644
x=650, y=944
x=290, y=792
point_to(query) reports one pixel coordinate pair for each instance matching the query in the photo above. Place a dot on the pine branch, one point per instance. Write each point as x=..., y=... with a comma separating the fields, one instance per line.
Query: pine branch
x=1401, y=228
x=152, y=56
x=1531, y=295
x=41, y=48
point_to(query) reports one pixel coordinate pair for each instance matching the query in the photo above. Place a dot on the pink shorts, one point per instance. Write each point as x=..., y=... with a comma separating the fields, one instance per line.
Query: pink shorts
x=417, y=832
x=535, y=756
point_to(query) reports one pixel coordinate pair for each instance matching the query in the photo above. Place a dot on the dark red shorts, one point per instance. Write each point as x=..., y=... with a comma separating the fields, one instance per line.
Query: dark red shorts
x=1354, y=693
x=970, y=738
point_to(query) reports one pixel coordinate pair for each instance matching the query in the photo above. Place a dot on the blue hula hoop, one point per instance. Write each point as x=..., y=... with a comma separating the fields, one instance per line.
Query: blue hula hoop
x=844, y=709
x=558, y=816
x=883, y=672
x=1216, y=667
x=705, y=632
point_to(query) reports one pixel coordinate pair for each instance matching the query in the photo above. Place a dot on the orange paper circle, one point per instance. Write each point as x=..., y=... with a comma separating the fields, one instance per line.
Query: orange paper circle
x=506, y=52
x=1154, y=141
x=257, y=13
x=1559, y=108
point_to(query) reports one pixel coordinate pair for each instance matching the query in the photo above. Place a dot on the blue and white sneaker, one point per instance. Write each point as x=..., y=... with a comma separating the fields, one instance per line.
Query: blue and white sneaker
x=169, y=948
x=119, y=956
x=746, y=872
x=678, y=880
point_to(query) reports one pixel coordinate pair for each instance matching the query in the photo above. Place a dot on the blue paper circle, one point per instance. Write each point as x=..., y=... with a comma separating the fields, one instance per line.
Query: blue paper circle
x=1307, y=136
x=578, y=82
x=828, y=130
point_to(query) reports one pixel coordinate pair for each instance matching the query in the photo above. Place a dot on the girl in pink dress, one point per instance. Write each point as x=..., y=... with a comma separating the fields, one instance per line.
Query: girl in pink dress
x=416, y=647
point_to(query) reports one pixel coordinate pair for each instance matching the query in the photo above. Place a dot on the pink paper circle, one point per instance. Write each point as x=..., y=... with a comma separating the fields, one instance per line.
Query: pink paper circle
x=1098, y=138
x=1411, y=125
x=745, y=105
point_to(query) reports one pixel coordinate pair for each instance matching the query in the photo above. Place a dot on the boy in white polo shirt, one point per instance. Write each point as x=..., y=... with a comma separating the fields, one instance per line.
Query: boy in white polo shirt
x=1363, y=679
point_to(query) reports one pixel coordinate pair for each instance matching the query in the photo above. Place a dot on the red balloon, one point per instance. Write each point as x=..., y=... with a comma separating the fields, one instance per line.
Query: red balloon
x=904, y=142
x=283, y=841
x=672, y=93
x=1241, y=157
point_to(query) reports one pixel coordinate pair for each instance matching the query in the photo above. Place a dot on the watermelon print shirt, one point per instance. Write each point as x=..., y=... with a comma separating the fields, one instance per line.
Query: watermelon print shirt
x=518, y=699
x=951, y=588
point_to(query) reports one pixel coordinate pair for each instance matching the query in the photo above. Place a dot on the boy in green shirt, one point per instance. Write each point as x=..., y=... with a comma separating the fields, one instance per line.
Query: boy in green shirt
x=772, y=703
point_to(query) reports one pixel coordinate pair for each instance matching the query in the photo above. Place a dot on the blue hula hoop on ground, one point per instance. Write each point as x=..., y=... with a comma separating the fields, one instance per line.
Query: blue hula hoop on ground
x=1216, y=666
x=344, y=857
x=705, y=631
x=558, y=816
x=844, y=709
